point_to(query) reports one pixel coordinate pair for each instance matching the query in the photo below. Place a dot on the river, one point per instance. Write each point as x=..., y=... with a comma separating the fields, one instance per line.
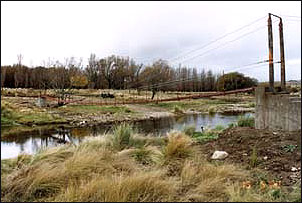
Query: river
x=32, y=141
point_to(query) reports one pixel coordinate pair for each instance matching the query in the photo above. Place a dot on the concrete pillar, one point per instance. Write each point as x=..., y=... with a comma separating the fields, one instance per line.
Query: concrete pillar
x=277, y=111
x=260, y=113
x=294, y=115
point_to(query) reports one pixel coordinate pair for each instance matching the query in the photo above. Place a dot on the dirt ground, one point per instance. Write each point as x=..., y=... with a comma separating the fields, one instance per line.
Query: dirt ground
x=277, y=152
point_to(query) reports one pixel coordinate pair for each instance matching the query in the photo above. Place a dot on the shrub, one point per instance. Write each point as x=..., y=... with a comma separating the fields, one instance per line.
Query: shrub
x=232, y=125
x=205, y=136
x=246, y=121
x=294, y=89
x=212, y=110
x=219, y=127
x=252, y=105
x=189, y=130
x=178, y=109
x=8, y=116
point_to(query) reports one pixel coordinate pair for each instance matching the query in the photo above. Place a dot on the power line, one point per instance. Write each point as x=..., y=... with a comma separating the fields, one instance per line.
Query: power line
x=211, y=42
x=259, y=28
x=206, y=45
x=291, y=16
x=246, y=34
x=168, y=83
x=255, y=64
x=247, y=65
x=292, y=20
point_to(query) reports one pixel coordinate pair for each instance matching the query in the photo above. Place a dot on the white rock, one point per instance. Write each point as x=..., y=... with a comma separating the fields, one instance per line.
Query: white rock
x=274, y=133
x=219, y=155
x=294, y=169
x=265, y=158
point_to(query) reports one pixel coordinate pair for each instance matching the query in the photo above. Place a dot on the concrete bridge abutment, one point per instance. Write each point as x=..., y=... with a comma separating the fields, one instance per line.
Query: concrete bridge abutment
x=277, y=111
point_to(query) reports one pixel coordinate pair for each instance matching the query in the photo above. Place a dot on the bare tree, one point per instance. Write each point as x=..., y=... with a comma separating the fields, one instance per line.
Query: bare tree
x=3, y=72
x=60, y=81
x=107, y=66
x=19, y=59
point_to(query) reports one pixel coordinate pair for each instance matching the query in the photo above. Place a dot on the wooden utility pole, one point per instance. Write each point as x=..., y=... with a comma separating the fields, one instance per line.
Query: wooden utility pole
x=270, y=58
x=282, y=55
x=270, y=44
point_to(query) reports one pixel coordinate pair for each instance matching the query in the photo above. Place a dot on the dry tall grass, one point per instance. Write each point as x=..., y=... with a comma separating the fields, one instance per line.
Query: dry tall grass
x=96, y=170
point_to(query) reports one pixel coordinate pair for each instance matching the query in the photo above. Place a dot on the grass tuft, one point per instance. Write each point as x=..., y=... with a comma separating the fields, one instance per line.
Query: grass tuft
x=212, y=110
x=189, y=130
x=121, y=137
x=246, y=121
x=254, y=158
x=8, y=116
x=177, y=109
x=147, y=155
x=219, y=127
x=141, y=187
x=178, y=146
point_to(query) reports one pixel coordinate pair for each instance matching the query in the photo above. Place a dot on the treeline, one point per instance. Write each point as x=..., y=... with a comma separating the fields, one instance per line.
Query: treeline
x=113, y=72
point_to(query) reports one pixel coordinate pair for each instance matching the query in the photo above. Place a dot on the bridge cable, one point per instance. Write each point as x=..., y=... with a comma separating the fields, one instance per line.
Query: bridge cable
x=213, y=41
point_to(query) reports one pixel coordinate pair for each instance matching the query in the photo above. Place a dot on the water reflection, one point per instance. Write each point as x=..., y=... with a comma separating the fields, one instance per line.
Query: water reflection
x=31, y=142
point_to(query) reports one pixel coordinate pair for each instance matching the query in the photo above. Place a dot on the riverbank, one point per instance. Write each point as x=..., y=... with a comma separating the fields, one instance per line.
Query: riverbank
x=125, y=166
x=23, y=111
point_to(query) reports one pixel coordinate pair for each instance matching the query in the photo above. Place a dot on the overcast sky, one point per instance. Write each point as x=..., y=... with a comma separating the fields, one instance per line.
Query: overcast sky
x=147, y=31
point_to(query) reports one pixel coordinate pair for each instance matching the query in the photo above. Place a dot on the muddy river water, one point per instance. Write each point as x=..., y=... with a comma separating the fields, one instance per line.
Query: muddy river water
x=33, y=141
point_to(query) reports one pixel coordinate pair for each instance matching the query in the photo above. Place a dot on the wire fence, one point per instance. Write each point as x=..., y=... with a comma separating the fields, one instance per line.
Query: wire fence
x=97, y=100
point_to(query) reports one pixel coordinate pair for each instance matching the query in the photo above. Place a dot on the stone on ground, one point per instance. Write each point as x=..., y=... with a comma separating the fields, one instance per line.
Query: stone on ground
x=219, y=155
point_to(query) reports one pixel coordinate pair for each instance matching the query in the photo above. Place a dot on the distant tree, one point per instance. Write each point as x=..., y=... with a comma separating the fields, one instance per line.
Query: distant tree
x=107, y=66
x=113, y=72
x=19, y=59
x=210, y=81
x=42, y=78
x=234, y=81
x=9, y=77
x=79, y=81
x=195, y=80
x=203, y=80
x=3, y=72
x=159, y=72
x=60, y=80
x=93, y=72
x=133, y=73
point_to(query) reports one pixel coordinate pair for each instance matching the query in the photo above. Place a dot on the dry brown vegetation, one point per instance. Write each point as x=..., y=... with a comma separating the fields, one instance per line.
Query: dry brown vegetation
x=124, y=166
x=18, y=108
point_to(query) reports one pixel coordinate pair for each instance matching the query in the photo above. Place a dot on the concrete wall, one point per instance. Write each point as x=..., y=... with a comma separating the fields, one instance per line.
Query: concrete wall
x=277, y=111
